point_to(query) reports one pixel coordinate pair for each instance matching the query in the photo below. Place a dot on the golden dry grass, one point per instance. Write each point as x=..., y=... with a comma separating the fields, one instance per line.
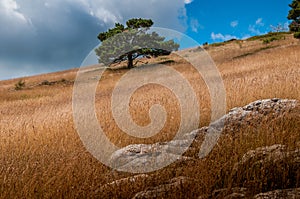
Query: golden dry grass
x=42, y=155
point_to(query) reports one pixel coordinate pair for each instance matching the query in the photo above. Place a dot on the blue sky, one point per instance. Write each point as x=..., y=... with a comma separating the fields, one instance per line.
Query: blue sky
x=51, y=35
x=212, y=21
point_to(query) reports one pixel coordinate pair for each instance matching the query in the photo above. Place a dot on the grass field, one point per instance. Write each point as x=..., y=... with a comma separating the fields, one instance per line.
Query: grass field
x=41, y=155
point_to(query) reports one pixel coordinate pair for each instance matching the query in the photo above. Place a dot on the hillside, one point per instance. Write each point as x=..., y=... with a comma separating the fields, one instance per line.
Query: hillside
x=42, y=155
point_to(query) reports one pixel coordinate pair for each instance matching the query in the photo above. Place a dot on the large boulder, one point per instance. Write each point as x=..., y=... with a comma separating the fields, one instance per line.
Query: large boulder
x=139, y=157
x=147, y=157
x=254, y=112
x=270, y=172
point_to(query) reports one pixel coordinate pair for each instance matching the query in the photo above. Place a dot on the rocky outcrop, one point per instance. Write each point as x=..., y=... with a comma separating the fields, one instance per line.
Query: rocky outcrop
x=254, y=112
x=234, y=193
x=265, y=172
x=117, y=188
x=267, y=168
x=263, y=155
x=181, y=187
x=243, y=193
x=124, y=181
x=280, y=194
x=138, y=157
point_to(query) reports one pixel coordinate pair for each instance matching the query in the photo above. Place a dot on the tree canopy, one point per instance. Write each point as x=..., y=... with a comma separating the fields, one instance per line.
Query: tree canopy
x=129, y=43
x=294, y=14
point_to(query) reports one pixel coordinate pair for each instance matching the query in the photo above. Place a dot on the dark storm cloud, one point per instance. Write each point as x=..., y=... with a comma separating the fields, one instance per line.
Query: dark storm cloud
x=43, y=36
x=46, y=40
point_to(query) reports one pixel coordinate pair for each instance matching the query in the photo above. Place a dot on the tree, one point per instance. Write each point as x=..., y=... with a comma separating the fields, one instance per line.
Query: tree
x=278, y=28
x=294, y=14
x=135, y=41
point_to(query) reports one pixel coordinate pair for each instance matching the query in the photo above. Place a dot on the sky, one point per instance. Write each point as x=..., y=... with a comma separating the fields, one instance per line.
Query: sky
x=41, y=36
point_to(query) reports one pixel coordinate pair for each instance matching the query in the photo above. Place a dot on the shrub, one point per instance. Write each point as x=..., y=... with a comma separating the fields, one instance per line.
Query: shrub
x=20, y=85
x=45, y=82
x=266, y=36
x=297, y=35
x=272, y=38
x=294, y=26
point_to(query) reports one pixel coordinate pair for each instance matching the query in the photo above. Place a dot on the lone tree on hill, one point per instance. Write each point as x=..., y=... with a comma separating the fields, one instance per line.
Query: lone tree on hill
x=294, y=14
x=127, y=44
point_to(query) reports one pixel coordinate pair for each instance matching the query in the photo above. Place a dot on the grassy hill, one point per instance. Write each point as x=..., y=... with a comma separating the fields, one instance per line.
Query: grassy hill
x=42, y=156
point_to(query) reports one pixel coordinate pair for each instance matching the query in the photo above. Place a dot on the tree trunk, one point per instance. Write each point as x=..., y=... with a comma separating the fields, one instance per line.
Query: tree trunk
x=130, y=61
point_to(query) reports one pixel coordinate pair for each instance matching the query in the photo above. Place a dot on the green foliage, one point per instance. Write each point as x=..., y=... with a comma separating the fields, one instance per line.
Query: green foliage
x=294, y=14
x=295, y=26
x=269, y=35
x=217, y=44
x=139, y=23
x=222, y=43
x=50, y=83
x=273, y=38
x=119, y=28
x=20, y=85
x=134, y=42
x=297, y=35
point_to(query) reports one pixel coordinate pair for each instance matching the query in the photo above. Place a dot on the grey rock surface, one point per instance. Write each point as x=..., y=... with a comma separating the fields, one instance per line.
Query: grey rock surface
x=171, y=188
x=280, y=194
x=139, y=156
x=266, y=158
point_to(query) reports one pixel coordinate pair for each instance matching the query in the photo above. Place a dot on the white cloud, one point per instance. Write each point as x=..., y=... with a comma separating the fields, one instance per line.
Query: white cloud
x=105, y=15
x=195, y=25
x=222, y=37
x=253, y=29
x=165, y=13
x=259, y=22
x=234, y=23
x=256, y=28
x=56, y=34
x=10, y=9
x=188, y=1
x=13, y=22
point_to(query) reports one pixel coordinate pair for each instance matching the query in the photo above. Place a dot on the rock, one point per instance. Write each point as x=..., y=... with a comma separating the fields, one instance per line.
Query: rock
x=268, y=168
x=261, y=154
x=181, y=187
x=241, y=193
x=259, y=171
x=233, y=193
x=280, y=194
x=144, y=158
x=255, y=112
x=242, y=116
x=129, y=180
x=235, y=196
x=122, y=186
